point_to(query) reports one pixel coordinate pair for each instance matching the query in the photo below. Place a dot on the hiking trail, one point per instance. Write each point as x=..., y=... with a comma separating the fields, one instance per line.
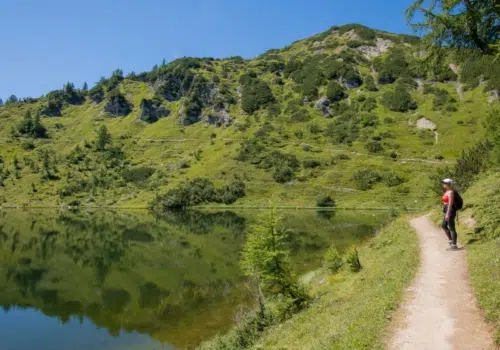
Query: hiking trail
x=439, y=310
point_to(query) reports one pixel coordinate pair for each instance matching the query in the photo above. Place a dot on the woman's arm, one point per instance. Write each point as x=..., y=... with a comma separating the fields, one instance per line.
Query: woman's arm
x=451, y=198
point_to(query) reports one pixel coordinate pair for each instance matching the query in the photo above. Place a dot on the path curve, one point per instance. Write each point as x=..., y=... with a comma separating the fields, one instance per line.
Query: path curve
x=440, y=311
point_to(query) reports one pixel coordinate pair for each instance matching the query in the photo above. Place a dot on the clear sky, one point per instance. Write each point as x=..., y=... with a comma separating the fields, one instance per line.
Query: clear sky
x=46, y=43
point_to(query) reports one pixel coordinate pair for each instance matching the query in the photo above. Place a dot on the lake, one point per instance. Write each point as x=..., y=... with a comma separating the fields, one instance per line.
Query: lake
x=131, y=280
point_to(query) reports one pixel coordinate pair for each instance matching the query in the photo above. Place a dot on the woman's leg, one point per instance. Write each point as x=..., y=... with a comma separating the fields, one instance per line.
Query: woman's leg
x=446, y=230
x=452, y=230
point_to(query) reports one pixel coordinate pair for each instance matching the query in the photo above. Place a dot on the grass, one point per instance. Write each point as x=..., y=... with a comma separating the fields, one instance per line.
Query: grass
x=351, y=310
x=483, y=251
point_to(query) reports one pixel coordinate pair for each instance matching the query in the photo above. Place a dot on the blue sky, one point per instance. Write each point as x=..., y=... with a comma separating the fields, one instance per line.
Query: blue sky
x=47, y=43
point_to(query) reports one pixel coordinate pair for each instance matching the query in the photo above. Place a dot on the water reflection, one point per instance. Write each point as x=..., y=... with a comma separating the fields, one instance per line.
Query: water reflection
x=175, y=277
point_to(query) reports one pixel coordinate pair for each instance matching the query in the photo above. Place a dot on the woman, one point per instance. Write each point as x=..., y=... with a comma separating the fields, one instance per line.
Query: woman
x=449, y=212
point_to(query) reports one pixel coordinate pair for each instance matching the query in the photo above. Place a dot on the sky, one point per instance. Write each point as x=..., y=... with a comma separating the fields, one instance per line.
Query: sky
x=46, y=43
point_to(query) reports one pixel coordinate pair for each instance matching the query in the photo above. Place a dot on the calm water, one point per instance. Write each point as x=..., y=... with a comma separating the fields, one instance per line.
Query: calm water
x=133, y=281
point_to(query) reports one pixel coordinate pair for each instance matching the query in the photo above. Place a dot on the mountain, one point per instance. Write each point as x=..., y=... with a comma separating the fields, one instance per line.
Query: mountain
x=352, y=113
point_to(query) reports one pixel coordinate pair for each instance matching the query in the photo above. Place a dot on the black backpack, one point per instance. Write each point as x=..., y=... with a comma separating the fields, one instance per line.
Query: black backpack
x=458, y=202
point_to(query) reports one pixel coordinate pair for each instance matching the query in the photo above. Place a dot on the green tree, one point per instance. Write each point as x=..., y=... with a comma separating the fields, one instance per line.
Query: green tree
x=398, y=100
x=103, y=138
x=12, y=99
x=85, y=88
x=461, y=24
x=335, y=92
x=1, y=102
x=266, y=256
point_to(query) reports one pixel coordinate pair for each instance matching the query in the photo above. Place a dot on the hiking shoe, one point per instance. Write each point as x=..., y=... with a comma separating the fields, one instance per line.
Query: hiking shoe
x=453, y=247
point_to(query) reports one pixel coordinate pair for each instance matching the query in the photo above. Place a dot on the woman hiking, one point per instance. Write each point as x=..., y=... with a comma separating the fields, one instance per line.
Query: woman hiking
x=449, y=212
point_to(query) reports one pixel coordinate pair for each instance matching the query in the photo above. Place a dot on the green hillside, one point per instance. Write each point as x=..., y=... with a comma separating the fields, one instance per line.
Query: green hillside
x=340, y=114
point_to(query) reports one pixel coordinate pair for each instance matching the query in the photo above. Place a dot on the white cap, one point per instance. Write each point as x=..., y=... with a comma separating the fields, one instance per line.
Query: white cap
x=447, y=181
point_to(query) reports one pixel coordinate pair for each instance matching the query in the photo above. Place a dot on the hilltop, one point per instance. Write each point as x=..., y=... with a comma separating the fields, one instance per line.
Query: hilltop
x=351, y=113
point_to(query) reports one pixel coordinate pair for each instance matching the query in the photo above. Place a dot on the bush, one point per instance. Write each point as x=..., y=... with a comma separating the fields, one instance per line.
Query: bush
x=335, y=92
x=137, y=175
x=311, y=163
x=256, y=94
x=366, y=179
x=283, y=173
x=374, y=147
x=352, y=260
x=96, y=94
x=393, y=180
x=300, y=116
x=399, y=100
x=369, y=104
x=332, y=260
x=28, y=145
x=32, y=126
x=197, y=191
x=370, y=83
x=326, y=202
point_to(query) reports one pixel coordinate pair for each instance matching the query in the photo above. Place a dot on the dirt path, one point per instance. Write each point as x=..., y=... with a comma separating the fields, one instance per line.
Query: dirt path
x=440, y=311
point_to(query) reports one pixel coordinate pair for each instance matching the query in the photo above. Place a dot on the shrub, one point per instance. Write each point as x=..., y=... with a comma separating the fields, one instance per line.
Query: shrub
x=399, y=100
x=311, y=163
x=332, y=260
x=137, y=175
x=393, y=180
x=197, y=191
x=256, y=94
x=335, y=92
x=352, y=260
x=369, y=104
x=393, y=66
x=283, y=173
x=355, y=43
x=315, y=128
x=325, y=202
x=28, y=145
x=301, y=116
x=374, y=147
x=32, y=126
x=370, y=83
x=365, y=179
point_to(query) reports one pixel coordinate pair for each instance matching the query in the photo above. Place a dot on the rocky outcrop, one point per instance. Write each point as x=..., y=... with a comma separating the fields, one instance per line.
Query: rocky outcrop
x=153, y=110
x=381, y=46
x=117, y=104
x=424, y=123
x=220, y=118
x=322, y=105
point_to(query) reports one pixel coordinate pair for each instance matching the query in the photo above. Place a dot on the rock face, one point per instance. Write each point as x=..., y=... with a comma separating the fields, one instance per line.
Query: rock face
x=381, y=46
x=220, y=118
x=153, y=110
x=117, y=105
x=322, y=105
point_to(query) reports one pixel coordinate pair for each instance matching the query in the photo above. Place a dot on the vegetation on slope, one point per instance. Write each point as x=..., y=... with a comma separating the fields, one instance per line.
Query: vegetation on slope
x=320, y=115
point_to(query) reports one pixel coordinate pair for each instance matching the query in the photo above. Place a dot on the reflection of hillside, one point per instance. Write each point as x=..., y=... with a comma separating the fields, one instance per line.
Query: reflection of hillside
x=175, y=277
x=124, y=271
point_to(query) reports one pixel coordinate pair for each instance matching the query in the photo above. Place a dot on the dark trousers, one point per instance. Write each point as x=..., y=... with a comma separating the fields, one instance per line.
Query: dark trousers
x=449, y=226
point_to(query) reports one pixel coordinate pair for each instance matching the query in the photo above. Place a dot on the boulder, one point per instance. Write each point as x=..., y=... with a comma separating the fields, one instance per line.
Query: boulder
x=322, y=105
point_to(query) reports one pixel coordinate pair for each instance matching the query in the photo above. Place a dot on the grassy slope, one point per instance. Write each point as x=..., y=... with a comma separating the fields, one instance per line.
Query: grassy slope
x=483, y=200
x=351, y=311
x=217, y=158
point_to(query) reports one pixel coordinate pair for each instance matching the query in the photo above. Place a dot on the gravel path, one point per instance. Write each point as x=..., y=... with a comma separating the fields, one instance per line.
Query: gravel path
x=440, y=311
